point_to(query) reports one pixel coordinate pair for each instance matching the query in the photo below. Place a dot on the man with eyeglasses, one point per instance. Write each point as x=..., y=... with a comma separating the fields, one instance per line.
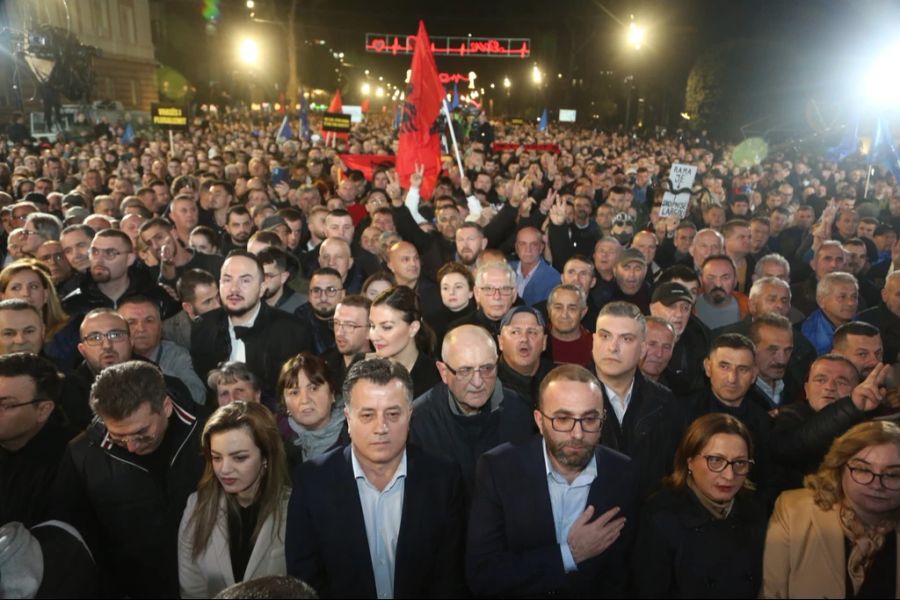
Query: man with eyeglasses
x=32, y=436
x=523, y=340
x=325, y=292
x=554, y=516
x=112, y=277
x=351, y=334
x=495, y=294
x=51, y=254
x=123, y=483
x=645, y=421
x=468, y=413
x=245, y=328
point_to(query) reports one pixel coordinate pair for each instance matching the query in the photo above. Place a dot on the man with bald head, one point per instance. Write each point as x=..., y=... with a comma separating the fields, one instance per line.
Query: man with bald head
x=535, y=278
x=469, y=413
x=403, y=261
x=336, y=253
x=707, y=242
x=886, y=317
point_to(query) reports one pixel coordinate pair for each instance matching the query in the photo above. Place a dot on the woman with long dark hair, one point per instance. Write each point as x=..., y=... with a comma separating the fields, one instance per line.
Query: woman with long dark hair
x=233, y=525
x=398, y=332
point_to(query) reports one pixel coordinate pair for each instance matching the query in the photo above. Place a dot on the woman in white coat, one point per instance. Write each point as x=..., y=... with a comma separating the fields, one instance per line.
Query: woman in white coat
x=233, y=525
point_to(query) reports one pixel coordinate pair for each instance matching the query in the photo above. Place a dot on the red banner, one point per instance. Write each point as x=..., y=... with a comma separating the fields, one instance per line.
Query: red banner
x=506, y=147
x=368, y=163
x=419, y=140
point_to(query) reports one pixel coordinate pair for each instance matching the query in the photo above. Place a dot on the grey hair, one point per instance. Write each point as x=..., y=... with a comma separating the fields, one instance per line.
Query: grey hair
x=718, y=235
x=662, y=323
x=772, y=258
x=627, y=310
x=495, y=266
x=832, y=279
x=568, y=287
x=757, y=289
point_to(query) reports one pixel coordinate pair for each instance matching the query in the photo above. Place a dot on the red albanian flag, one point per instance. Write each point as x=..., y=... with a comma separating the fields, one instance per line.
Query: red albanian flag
x=337, y=106
x=419, y=139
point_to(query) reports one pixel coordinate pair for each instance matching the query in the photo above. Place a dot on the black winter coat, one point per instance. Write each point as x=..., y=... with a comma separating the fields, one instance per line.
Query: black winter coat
x=683, y=552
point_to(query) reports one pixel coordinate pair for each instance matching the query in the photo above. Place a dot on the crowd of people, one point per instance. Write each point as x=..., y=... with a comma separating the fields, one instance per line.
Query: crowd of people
x=235, y=365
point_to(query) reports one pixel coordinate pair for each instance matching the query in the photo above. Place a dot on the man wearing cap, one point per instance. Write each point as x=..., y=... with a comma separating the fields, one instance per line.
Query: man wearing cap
x=174, y=257
x=277, y=225
x=673, y=302
x=523, y=340
x=631, y=279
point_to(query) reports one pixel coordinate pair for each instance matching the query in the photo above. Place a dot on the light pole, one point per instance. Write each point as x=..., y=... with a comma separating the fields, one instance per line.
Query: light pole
x=635, y=36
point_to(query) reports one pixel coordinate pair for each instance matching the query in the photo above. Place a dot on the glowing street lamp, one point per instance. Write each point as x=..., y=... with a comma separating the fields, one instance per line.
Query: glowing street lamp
x=636, y=35
x=536, y=75
x=366, y=89
x=379, y=92
x=507, y=83
x=879, y=87
x=248, y=51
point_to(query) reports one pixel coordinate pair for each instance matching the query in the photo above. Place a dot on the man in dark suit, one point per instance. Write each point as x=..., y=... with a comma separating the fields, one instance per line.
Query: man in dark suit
x=377, y=518
x=553, y=516
x=246, y=329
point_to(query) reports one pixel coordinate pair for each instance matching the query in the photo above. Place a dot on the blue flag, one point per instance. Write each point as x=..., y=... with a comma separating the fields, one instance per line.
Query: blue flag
x=128, y=135
x=454, y=102
x=284, y=132
x=849, y=142
x=883, y=151
x=398, y=115
x=542, y=125
x=304, y=116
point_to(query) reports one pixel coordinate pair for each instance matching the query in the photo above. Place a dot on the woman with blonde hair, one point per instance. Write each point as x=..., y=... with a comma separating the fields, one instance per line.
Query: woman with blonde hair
x=233, y=525
x=837, y=537
x=29, y=279
x=702, y=535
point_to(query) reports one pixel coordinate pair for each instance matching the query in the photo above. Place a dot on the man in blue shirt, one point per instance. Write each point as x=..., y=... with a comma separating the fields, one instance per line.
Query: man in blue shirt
x=535, y=278
x=553, y=516
x=377, y=518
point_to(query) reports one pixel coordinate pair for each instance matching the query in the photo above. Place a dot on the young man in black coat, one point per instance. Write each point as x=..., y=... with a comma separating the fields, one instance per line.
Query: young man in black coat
x=246, y=329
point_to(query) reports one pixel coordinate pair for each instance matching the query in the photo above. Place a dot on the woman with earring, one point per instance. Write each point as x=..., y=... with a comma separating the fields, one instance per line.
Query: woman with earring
x=398, y=332
x=233, y=525
x=838, y=537
x=702, y=535
x=312, y=420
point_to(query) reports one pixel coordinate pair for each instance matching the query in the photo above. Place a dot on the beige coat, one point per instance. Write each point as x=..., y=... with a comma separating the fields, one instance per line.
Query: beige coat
x=211, y=571
x=804, y=554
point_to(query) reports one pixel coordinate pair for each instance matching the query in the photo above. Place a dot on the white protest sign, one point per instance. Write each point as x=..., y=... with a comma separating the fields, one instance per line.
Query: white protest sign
x=681, y=180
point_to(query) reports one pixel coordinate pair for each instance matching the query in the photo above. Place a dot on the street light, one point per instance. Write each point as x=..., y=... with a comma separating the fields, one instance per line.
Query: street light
x=636, y=35
x=379, y=92
x=879, y=87
x=366, y=89
x=507, y=83
x=536, y=75
x=248, y=51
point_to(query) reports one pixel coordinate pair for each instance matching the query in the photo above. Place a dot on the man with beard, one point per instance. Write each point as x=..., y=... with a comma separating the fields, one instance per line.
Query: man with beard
x=522, y=343
x=553, y=516
x=112, y=278
x=277, y=294
x=720, y=305
x=470, y=243
x=245, y=328
x=351, y=334
x=239, y=227
x=325, y=292
x=860, y=343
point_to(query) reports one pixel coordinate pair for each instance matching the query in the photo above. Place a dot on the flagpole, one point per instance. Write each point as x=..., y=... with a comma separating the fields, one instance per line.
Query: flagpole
x=462, y=173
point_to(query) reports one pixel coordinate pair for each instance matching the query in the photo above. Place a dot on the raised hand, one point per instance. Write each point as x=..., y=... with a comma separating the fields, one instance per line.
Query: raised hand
x=870, y=394
x=416, y=178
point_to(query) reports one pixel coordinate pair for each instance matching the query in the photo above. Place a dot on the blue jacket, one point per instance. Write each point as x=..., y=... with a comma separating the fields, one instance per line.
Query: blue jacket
x=819, y=331
x=542, y=282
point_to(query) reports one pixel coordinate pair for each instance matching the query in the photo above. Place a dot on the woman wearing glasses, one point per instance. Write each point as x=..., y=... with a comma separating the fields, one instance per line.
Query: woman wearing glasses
x=29, y=279
x=397, y=331
x=702, y=535
x=233, y=525
x=312, y=421
x=837, y=538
